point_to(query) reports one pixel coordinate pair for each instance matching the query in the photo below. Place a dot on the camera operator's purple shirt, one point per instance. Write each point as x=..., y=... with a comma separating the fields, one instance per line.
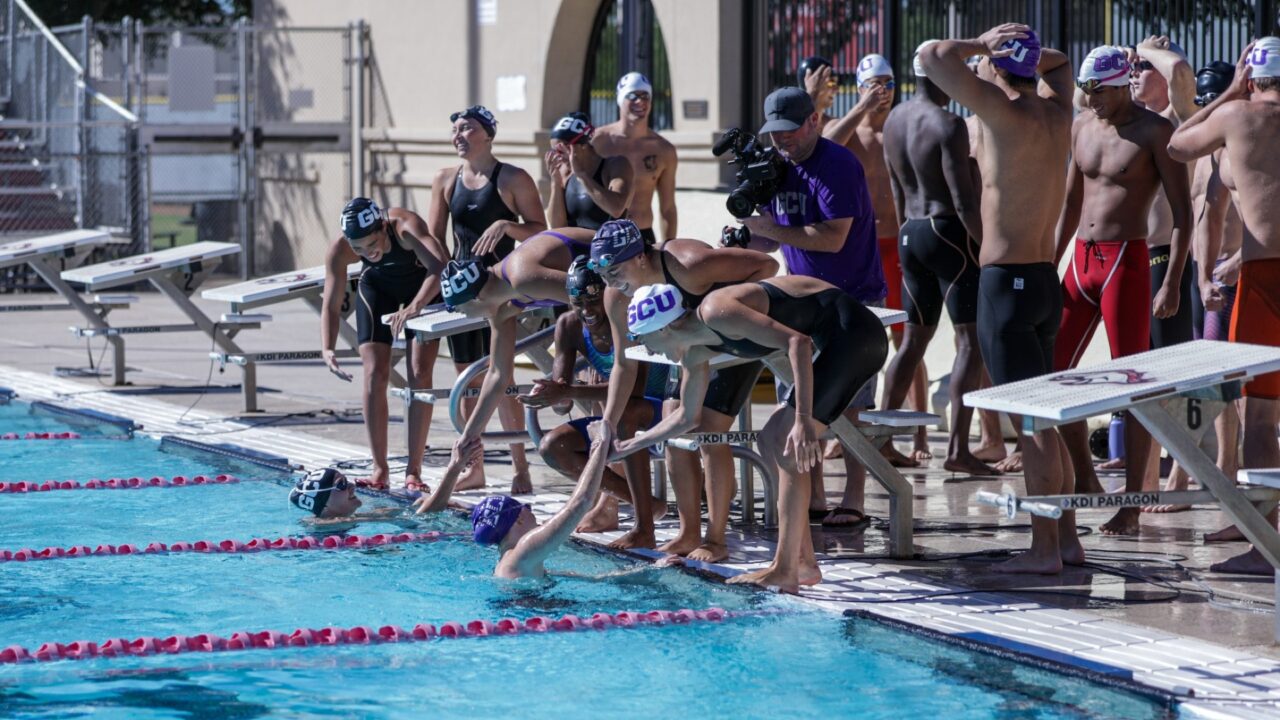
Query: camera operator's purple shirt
x=830, y=185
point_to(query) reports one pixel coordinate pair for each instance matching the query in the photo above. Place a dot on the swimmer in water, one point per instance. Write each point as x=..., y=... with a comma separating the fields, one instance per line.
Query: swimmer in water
x=334, y=506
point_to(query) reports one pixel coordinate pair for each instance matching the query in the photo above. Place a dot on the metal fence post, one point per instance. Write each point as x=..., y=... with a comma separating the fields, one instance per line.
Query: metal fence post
x=1264, y=18
x=246, y=160
x=10, y=50
x=357, y=111
x=82, y=114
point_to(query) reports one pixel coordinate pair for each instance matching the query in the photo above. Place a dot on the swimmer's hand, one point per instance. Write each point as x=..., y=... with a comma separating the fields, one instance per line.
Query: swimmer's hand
x=1211, y=296
x=402, y=316
x=1239, y=88
x=487, y=242
x=1001, y=34
x=558, y=167
x=820, y=85
x=802, y=444
x=600, y=432
x=1228, y=273
x=547, y=392
x=1166, y=302
x=330, y=358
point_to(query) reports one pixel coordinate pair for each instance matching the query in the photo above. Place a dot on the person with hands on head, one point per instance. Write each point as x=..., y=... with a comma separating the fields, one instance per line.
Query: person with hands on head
x=532, y=276
x=831, y=341
x=491, y=206
x=587, y=190
x=652, y=157
x=1026, y=128
x=401, y=262
x=1244, y=121
x=621, y=256
x=819, y=80
x=586, y=333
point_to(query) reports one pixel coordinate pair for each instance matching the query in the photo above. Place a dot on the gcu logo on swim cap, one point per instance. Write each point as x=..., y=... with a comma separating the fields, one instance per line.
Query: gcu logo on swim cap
x=459, y=280
x=572, y=124
x=367, y=217
x=1019, y=50
x=630, y=77
x=650, y=306
x=306, y=501
x=1104, y=63
x=1258, y=56
x=866, y=63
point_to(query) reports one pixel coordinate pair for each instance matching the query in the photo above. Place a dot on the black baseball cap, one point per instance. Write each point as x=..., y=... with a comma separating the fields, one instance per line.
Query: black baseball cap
x=786, y=109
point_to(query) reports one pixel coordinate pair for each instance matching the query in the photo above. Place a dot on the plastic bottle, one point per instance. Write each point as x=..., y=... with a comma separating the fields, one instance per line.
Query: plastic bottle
x=1115, y=436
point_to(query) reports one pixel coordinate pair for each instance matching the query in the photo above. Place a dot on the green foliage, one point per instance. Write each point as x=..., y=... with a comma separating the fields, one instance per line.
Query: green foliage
x=151, y=12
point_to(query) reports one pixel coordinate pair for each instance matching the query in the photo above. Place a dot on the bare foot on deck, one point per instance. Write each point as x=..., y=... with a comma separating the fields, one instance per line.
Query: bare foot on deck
x=1029, y=564
x=379, y=479
x=1230, y=533
x=710, y=552
x=601, y=518
x=896, y=458
x=1071, y=551
x=834, y=451
x=969, y=465
x=473, y=480
x=1171, y=486
x=1112, y=464
x=521, y=483
x=1166, y=508
x=769, y=577
x=994, y=452
x=1011, y=464
x=1250, y=563
x=682, y=545
x=635, y=538
x=920, y=451
x=1124, y=522
x=810, y=575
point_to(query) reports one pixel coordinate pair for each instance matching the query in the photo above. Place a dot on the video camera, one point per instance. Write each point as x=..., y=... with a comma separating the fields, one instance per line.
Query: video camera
x=760, y=174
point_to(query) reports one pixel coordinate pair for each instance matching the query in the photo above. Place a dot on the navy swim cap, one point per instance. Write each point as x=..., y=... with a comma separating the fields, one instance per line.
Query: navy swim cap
x=616, y=241
x=1213, y=80
x=581, y=280
x=480, y=114
x=361, y=217
x=813, y=62
x=572, y=128
x=493, y=518
x=312, y=492
x=461, y=281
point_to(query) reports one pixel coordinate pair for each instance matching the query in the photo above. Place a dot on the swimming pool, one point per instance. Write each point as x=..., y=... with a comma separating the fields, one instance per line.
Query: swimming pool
x=795, y=661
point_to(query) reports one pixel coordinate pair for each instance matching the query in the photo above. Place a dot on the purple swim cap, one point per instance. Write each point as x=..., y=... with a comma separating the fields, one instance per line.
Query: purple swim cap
x=1025, y=57
x=493, y=518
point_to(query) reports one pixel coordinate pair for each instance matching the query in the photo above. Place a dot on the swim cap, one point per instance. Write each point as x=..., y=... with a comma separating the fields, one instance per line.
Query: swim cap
x=493, y=517
x=1025, y=57
x=916, y=67
x=1265, y=58
x=1213, y=80
x=312, y=492
x=632, y=82
x=814, y=63
x=616, y=241
x=872, y=66
x=653, y=308
x=361, y=217
x=1105, y=65
x=581, y=280
x=461, y=282
x=480, y=114
x=572, y=127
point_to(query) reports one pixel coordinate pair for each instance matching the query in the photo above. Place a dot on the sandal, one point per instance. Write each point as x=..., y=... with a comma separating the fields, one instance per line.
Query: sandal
x=818, y=515
x=860, y=520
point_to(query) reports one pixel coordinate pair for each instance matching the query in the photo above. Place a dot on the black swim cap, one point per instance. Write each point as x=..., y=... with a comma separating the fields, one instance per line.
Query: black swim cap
x=572, y=128
x=361, y=217
x=461, y=281
x=312, y=492
x=813, y=62
x=1213, y=80
x=581, y=280
x=480, y=114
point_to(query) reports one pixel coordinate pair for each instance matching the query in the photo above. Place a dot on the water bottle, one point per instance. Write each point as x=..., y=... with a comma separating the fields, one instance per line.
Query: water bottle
x=1115, y=436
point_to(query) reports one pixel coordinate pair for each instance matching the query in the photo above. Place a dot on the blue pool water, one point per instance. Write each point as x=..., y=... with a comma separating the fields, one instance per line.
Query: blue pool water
x=800, y=663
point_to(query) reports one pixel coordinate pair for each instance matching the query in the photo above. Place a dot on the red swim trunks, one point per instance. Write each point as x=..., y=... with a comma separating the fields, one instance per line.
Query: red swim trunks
x=892, y=274
x=1108, y=280
x=1257, y=318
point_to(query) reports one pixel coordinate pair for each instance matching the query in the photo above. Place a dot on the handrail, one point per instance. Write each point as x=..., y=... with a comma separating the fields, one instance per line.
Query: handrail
x=466, y=377
x=75, y=64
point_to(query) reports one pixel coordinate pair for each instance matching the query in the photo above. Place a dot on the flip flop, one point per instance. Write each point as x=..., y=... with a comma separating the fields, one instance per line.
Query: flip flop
x=364, y=483
x=818, y=515
x=847, y=525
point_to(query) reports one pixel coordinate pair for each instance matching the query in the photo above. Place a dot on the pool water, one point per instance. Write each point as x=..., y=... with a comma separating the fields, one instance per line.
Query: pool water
x=795, y=662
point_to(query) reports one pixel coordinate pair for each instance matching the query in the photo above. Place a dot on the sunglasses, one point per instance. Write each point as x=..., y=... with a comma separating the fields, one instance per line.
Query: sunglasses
x=633, y=96
x=1205, y=99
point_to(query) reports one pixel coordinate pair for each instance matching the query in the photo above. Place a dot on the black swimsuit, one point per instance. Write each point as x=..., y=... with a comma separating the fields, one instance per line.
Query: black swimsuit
x=583, y=212
x=473, y=211
x=849, y=344
x=385, y=287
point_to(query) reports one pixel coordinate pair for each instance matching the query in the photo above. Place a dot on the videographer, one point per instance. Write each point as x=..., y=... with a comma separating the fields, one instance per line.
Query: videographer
x=821, y=214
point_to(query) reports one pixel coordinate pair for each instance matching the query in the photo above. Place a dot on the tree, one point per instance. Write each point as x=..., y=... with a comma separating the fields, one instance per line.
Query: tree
x=151, y=12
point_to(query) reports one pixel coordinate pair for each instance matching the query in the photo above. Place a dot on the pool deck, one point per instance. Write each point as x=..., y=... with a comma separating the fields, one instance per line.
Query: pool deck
x=1106, y=624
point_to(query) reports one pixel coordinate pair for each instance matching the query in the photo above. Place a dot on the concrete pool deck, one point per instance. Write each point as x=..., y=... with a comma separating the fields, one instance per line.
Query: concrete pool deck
x=1110, y=620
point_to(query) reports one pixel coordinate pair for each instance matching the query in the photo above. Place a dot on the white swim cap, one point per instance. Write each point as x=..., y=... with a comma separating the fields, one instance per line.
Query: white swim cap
x=1265, y=58
x=915, y=61
x=1105, y=65
x=654, y=307
x=872, y=66
x=631, y=82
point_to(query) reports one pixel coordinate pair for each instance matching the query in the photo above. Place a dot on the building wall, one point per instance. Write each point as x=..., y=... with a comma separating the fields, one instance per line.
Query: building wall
x=412, y=91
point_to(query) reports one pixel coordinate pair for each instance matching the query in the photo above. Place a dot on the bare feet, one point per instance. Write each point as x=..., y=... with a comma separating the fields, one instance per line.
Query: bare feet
x=1230, y=533
x=1166, y=508
x=601, y=518
x=635, y=538
x=521, y=483
x=896, y=458
x=682, y=545
x=810, y=575
x=1175, y=483
x=1250, y=563
x=1070, y=550
x=1124, y=522
x=769, y=577
x=994, y=452
x=920, y=450
x=834, y=451
x=710, y=552
x=1029, y=564
x=1011, y=464
x=969, y=465
x=1112, y=464
x=473, y=480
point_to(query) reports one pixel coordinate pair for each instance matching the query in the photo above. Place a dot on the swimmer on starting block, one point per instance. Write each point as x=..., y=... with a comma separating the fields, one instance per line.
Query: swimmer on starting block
x=806, y=318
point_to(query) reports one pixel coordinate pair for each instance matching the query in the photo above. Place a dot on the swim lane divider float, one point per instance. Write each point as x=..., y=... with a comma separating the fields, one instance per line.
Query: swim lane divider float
x=133, y=483
x=228, y=547
x=40, y=436
x=358, y=635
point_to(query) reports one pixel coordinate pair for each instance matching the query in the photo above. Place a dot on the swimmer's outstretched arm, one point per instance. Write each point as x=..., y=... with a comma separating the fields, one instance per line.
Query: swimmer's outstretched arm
x=693, y=390
x=465, y=453
x=528, y=554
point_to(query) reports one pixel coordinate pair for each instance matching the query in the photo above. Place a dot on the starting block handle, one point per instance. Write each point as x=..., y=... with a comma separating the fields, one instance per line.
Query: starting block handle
x=1011, y=504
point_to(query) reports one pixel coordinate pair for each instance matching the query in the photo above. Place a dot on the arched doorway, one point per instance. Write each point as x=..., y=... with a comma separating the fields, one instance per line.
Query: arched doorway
x=626, y=36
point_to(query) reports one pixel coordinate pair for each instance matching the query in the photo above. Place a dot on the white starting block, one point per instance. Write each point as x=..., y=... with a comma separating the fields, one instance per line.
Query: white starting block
x=1159, y=388
x=48, y=256
x=306, y=285
x=177, y=272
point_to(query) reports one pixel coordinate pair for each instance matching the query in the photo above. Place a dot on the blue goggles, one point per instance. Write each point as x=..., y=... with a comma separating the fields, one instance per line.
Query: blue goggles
x=604, y=262
x=588, y=291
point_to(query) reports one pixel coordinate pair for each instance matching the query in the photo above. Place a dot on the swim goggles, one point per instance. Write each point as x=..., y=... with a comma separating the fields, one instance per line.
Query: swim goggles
x=341, y=485
x=1090, y=86
x=604, y=262
x=1205, y=99
x=588, y=291
x=1140, y=66
x=887, y=84
x=637, y=95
